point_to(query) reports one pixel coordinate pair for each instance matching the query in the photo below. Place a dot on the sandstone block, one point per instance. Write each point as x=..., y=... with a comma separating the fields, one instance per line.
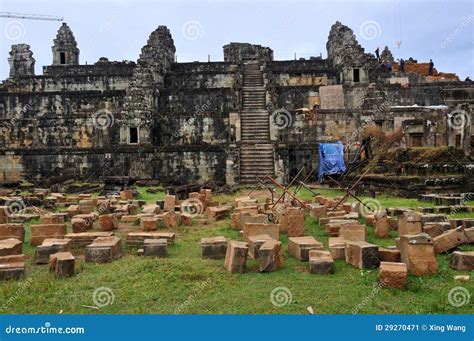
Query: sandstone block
x=389, y=255
x=417, y=252
x=295, y=222
x=218, y=212
x=170, y=203
x=337, y=248
x=104, y=249
x=155, y=248
x=11, y=230
x=449, y=240
x=382, y=226
x=409, y=223
x=269, y=256
x=81, y=225
x=108, y=222
x=136, y=239
x=393, y=275
x=236, y=256
x=354, y=232
x=12, y=267
x=321, y=262
x=255, y=242
x=362, y=255
x=299, y=247
x=62, y=264
x=435, y=229
x=41, y=232
x=214, y=247
x=50, y=246
x=462, y=260
x=251, y=229
x=85, y=238
x=10, y=246
x=149, y=223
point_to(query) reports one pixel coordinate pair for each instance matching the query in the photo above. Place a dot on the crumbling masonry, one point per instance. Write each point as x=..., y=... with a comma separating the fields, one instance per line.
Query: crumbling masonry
x=220, y=122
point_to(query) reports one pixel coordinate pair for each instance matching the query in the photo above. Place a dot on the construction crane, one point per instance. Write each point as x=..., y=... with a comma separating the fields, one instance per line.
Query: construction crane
x=30, y=16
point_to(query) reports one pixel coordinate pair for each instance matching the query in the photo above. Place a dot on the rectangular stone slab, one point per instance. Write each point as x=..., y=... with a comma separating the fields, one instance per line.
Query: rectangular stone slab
x=362, y=255
x=251, y=229
x=10, y=246
x=50, y=246
x=62, y=264
x=299, y=247
x=135, y=239
x=320, y=262
x=393, y=275
x=41, y=232
x=236, y=256
x=214, y=247
x=85, y=238
x=12, y=230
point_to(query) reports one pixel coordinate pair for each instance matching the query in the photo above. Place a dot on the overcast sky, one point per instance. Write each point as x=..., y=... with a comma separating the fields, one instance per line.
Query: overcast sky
x=117, y=29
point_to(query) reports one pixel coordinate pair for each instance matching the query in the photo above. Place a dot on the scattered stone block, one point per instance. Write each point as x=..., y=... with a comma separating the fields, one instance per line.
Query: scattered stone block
x=295, y=218
x=362, y=255
x=393, y=275
x=108, y=222
x=126, y=194
x=41, y=232
x=435, y=229
x=417, y=252
x=130, y=219
x=155, y=248
x=409, y=223
x=455, y=223
x=464, y=261
x=299, y=247
x=85, y=238
x=213, y=247
x=10, y=246
x=255, y=242
x=469, y=233
x=269, y=256
x=251, y=229
x=389, y=255
x=4, y=218
x=73, y=210
x=149, y=223
x=317, y=211
x=354, y=232
x=370, y=220
x=12, y=230
x=449, y=240
x=62, y=264
x=170, y=203
x=136, y=239
x=168, y=219
x=50, y=246
x=321, y=262
x=337, y=248
x=218, y=212
x=12, y=267
x=382, y=226
x=104, y=249
x=52, y=218
x=236, y=256
x=81, y=225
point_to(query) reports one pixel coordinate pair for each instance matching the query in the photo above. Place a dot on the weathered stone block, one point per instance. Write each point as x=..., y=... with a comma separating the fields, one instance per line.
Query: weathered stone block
x=104, y=249
x=362, y=254
x=85, y=238
x=321, y=262
x=11, y=230
x=337, y=248
x=389, y=255
x=41, y=232
x=149, y=223
x=269, y=256
x=436, y=228
x=52, y=218
x=299, y=247
x=449, y=240
x=50, y=246
x=218, y=212
x=355, y=232
x=382, y=226
x=295, y=222
x=12, y=267
x=214, y=247
x=236, y=256
x=462, y=260
x=155, y=248
x=409, y=223
x=170, y=203
x=417, y=252
x=108, y=222
x=62, y=264
x=10, y=246
x=136, y=239
x=250, y=229
x=126, y=194
x=393, y=275
x=255, y=242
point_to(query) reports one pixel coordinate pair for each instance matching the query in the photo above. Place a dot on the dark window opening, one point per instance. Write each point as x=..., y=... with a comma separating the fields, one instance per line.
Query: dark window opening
x=416, y=140
x=356, y=75
x=62, y=58
x=133, y=131
x=458, y=141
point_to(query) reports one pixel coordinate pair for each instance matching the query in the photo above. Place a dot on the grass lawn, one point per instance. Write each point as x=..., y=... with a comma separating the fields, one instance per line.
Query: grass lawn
x=185, y=283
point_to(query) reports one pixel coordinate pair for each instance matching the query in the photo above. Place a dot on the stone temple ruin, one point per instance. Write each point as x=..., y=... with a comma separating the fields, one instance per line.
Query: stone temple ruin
x=224, y=122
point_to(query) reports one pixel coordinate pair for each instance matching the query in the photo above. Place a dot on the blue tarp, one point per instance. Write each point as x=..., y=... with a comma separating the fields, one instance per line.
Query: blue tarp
x=331, y=159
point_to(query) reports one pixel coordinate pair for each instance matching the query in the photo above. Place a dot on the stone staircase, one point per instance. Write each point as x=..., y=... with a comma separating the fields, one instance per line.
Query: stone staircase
x=256, y=151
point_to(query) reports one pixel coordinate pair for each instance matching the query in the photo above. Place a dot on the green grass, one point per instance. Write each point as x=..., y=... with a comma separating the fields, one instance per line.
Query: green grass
x=184, y=282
